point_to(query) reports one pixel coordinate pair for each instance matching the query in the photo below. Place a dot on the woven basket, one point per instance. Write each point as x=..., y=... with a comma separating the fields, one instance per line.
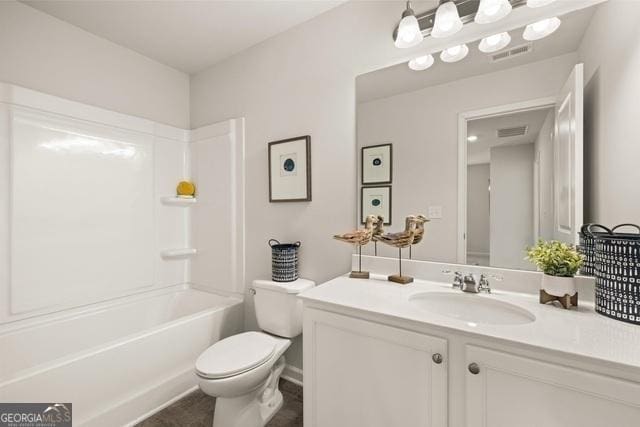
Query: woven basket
x=284, y=261
x=587, y=247
x=617, y=273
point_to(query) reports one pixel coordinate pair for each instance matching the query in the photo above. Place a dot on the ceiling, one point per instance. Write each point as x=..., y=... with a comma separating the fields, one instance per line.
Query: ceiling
x=400, y=79
x=486, y=131
x=187, y=35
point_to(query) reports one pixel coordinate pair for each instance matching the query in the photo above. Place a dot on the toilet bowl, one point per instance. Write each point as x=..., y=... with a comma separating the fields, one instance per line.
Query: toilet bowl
x=243, y=371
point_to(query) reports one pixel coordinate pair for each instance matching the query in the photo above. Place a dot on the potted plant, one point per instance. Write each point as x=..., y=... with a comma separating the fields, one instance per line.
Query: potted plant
x=559, y=262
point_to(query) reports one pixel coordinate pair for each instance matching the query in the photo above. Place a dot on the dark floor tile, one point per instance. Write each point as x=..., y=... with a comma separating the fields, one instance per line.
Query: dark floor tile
x=196, y=410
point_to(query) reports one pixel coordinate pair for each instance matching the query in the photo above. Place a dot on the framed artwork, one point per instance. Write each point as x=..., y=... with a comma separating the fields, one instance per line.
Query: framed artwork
x=290, y=170
x=377, y=164
x=376, y=201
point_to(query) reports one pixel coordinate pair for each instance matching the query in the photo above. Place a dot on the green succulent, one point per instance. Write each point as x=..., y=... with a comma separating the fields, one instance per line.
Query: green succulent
x=555, y=258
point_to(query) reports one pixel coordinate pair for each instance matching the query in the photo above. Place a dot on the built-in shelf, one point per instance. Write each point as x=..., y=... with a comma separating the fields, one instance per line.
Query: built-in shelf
x=178, y=201
x=178, y=253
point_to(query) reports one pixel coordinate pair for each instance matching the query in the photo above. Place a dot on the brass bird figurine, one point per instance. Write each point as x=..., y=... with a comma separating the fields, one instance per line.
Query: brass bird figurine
x=403, y=238
x=360, y=237
x=419, y=234
x=377, y=232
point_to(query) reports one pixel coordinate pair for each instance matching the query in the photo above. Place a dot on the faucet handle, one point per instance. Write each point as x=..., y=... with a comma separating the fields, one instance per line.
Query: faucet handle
x=457, y=278
x=484, y=285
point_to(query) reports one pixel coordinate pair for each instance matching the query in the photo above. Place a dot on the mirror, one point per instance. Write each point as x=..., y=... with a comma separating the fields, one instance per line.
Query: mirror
x=489, y=148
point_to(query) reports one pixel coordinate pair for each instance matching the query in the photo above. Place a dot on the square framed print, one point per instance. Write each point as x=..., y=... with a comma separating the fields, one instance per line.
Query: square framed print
x=290, y=170
x=377, y=164
x=376, y=201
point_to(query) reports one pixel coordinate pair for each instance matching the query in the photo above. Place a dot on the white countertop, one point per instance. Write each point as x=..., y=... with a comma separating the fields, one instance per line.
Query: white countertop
x=579, y=331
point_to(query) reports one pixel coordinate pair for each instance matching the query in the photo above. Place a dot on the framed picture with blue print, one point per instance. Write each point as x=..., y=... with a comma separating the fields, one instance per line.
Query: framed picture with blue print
x=376, y=201
x=290, y=170
x=377, y=164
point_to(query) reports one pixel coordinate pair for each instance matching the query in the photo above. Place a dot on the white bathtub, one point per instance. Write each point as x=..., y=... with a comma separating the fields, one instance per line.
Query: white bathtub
x=117, y=363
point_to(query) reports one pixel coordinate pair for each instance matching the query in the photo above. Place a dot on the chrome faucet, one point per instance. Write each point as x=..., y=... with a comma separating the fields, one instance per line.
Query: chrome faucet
x=469, y=283
x=457, y=278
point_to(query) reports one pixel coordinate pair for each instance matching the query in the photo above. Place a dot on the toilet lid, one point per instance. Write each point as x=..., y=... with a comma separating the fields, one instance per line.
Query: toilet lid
x=235, y=355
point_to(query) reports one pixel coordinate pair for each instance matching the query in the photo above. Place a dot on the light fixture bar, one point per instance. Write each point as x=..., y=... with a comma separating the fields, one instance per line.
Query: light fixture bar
x=467, y=10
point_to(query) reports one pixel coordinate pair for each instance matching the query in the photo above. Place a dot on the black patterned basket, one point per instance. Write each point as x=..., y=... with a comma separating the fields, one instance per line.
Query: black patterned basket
x=587, y=247
x=617, y=272
x=284, y=261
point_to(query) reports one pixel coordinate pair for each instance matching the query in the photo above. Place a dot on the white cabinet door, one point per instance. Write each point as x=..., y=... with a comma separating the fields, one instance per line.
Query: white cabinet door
x=363, y=374
x=513, y=391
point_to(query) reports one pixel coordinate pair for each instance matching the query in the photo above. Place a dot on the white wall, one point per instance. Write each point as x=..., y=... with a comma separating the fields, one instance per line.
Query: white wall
x=610, y=51
x=478, y=177
x=40, y=52
x=544, y=157
x=511, y=205
x=423, y=127
x=297, y=83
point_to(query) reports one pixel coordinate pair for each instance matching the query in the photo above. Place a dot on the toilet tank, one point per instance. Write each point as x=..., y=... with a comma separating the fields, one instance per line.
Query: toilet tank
x=278, y=309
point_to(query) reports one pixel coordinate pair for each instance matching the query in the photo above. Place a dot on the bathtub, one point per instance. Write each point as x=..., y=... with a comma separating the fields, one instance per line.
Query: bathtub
x=117, y=363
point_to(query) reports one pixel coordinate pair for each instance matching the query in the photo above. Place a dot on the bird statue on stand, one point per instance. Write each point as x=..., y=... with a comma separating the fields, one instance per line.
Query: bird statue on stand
x=377, y=232
x=419, y=234
x=401, y=240
x=360, y=238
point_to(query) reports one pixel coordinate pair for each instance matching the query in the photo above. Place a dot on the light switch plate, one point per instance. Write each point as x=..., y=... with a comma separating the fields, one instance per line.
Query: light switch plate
x=435, y=212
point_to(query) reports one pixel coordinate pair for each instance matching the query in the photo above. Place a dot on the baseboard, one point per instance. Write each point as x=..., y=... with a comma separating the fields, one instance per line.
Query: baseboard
x=292, y=374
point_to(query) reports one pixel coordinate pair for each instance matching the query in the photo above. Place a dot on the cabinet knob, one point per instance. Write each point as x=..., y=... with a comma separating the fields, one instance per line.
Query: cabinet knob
x=437, y=358
x=474, y=368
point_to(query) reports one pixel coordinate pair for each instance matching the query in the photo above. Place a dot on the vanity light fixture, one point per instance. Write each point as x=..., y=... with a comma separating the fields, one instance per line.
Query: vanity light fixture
x=472, y=138
x=539, y=3
x=447, y=20
x=494, y=43
x=409, y=33
x=421, y=62
x=492, y=10
x=454, y=53
x=541, y=29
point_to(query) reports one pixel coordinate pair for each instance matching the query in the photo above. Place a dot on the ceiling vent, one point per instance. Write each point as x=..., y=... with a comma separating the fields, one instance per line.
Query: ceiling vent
x=511, y=53
x=513, y=131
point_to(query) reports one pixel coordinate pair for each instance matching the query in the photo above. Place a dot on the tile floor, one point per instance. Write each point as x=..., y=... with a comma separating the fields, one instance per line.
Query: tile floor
x=196, y=410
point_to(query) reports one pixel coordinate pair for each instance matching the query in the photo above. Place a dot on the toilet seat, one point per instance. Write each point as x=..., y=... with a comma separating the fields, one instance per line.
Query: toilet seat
x=235, y=355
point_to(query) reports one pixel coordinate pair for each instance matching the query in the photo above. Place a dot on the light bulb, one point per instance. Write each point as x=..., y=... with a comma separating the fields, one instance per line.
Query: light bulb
x=539, y=3
x=454, y=53
x=447, y=21
x=409, y=33
x=492, y=10
x=472, y=138
x=494, y=43
x=541, y=29
x=421, y=62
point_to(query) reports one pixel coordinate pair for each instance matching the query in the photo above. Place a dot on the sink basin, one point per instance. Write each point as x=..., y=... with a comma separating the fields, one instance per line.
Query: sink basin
x=471, y=308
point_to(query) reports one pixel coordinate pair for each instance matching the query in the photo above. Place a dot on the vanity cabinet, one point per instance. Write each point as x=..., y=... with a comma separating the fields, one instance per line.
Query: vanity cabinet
x=503, y=390
x=359, y=372
x=366, y=374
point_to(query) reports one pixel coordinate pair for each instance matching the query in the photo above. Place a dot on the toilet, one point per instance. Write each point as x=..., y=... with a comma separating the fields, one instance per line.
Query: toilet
x=243, y=370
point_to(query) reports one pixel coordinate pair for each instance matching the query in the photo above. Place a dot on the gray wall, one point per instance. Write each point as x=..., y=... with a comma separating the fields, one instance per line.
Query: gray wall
x=511, y=205
x=296, y=83
x=478, y=177
x=610, y=51
x=40, y=52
